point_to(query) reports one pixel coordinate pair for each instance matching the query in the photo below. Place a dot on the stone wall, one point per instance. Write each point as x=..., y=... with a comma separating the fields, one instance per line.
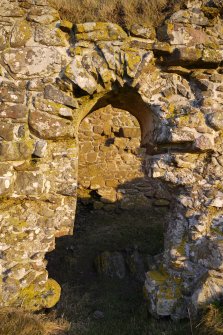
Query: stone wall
x=52, y=75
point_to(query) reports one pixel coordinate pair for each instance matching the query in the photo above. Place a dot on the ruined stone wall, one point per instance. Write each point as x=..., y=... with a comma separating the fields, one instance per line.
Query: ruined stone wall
x=52, y=75
x=37, y=151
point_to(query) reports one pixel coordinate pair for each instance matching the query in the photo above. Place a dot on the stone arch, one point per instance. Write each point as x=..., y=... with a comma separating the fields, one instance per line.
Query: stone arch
x=129, y=99
x=47, y=85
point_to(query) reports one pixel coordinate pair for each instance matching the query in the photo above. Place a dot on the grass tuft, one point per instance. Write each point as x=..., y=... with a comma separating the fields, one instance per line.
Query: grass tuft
x=212, y=320
x=16, y=321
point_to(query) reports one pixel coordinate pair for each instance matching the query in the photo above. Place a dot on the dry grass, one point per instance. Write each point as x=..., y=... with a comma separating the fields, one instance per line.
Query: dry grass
x=123, y=12
x=18, y=322
x=212, y=321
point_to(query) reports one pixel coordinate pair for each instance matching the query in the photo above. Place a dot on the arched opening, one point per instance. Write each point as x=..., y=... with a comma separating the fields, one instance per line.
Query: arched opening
x=111, y=172
x=120, y=218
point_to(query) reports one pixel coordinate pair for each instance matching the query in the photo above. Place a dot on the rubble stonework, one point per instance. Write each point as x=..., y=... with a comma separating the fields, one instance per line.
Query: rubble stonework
x=52, y=75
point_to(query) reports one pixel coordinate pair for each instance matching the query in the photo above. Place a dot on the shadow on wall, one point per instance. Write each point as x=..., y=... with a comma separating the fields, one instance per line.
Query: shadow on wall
x=120, y=241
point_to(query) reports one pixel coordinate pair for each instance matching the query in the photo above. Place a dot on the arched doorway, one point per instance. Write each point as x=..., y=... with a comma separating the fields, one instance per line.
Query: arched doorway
x=120, y=214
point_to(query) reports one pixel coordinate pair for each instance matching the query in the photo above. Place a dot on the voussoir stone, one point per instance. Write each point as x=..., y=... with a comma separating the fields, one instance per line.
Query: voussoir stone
x=56, y=95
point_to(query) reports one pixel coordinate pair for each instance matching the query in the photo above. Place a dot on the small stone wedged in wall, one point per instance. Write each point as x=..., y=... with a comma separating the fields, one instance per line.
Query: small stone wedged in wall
x=177, y=74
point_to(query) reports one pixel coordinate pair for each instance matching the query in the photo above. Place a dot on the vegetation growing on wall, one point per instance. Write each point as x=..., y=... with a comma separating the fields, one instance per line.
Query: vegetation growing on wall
x=123, y=12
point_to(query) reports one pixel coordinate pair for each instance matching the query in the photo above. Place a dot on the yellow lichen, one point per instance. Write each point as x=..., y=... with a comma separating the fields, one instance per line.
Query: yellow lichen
x=35, y=297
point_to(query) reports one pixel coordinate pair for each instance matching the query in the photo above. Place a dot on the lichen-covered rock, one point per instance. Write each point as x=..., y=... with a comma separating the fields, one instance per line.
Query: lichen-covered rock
x=99, y=31
x=20, y=35
x=32, y=62
x=56, y=95
x=42, y=14
x=49, y=36
x=144, y=32
x=47, y=126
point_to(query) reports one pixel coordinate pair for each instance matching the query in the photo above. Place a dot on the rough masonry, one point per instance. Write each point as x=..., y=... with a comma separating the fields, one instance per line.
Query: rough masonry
x=52, y=75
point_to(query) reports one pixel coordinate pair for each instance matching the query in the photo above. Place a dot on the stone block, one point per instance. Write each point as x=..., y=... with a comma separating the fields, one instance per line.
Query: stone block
x=48, y=126
x=99, y=31
x=10, y=92
x=16, y=151
x=43, y=15
x=29, y=183
x=144, y=32
x=21, y=34
x=130, y=132
x=216, y=120
x=212, y=55
x=91, y=157
x=6, y=178
x=17, y=111
x=97, y=183
x=10, y=10
x=49, y=36
x=108, y=195
x=40, y=148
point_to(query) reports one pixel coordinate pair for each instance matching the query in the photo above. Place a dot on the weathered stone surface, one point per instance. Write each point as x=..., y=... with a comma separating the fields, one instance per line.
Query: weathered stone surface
x=43, y=15
x=144, y=32
x=6, y=179
x=11, y=9
x=50, y=127
x=80, y=76
x=48, y=36
x=16, y=151
x=56, y=95
x=29, y=183
x=17, y=111
x=21, y=33
x=216, y=120
x=9, y=92
x=40, y=148
x=10, y=132
x=98, y=31
x=4, y=37
x=32, y=62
